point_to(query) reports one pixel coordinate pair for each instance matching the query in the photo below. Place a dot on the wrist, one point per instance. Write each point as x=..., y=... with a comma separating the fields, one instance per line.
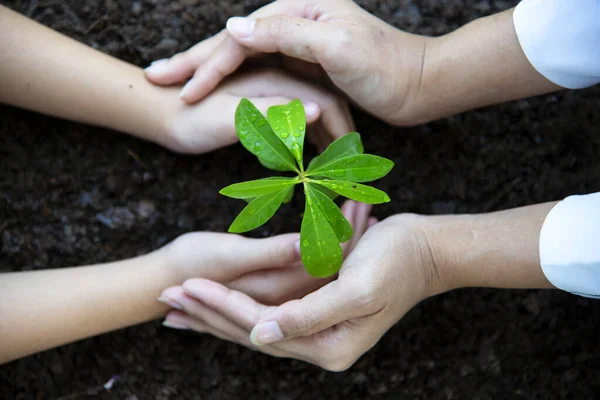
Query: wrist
x=412, y=52
x=480, y=64
x=499, y=249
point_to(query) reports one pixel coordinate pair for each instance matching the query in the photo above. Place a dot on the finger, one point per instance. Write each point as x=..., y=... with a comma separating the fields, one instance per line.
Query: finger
x=181, y=66
x=223, y=61
x=362, y=221
x=233, y=305
x=372, y=221
x=348, y=209
x=317, y=136
x=245, y=312
x=273, y=252
x=228, y=55
x=181, y=321
x=320, y=310
x=203, y=314
x=293, y=36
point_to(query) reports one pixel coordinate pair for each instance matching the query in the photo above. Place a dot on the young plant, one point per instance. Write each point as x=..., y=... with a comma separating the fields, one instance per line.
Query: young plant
x=279, y=143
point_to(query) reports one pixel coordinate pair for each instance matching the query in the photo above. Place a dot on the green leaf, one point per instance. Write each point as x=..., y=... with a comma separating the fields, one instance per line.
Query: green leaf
x=348, y=145
x=259, y=211
x=320, y=249
x=260, y=187
x=257, y=137
x=336, y=219
x=326, y=191
x=356, y=168
x=289, y=123
x=289, y=196
x=356, y=191
x=273, y=166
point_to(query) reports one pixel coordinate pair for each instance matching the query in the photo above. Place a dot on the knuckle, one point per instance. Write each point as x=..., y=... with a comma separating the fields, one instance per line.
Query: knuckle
x=276, y=27
x=302, y=325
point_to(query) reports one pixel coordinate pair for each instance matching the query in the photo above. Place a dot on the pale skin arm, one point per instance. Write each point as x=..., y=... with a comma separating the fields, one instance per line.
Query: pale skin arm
x=44, y=309
x=45, y=71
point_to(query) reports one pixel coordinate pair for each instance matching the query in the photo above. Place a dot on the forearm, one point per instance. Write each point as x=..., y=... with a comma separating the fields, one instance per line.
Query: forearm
x=45, y=309
x=480, y=64
x=44, y=71
x=499, y=249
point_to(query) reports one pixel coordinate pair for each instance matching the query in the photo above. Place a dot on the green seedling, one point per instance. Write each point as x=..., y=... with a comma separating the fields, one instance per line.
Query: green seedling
x=278, y=142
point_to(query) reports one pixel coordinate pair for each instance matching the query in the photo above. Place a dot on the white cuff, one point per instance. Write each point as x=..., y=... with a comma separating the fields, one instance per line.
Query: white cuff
x=561, y=39
x=570, y=245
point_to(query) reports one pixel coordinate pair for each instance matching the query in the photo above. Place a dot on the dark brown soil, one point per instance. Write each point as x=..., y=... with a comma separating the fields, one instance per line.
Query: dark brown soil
x=70, y=195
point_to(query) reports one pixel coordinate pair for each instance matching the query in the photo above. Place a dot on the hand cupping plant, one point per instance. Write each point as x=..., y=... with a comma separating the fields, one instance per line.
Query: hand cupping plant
x=279, y=144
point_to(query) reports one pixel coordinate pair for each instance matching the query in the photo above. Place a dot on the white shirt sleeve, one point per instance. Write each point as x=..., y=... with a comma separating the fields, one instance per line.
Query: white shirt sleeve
x=561, y=39
x=570, y=245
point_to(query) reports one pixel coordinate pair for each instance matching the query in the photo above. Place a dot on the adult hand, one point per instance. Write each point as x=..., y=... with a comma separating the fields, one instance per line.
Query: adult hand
x=390, y=270
x=396, y=264
x=210, y=124
x=376, y=65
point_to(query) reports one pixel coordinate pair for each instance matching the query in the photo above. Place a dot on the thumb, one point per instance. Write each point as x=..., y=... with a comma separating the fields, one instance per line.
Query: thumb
x=274, y=252
x=296, y=37
x=332, y=304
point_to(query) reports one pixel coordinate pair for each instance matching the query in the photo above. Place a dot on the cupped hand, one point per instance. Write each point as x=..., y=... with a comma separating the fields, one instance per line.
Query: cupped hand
x=210, y=124
x=376, y=65
x=390, y=270
x=269, y=269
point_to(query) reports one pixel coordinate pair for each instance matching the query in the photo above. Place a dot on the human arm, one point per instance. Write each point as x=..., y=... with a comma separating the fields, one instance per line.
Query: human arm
x=45, y=71
x=402, y=78
x=398, y=263
x=48, y=308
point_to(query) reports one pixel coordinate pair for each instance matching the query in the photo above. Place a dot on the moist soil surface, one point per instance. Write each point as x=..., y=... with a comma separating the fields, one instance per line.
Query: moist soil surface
x=72, y=194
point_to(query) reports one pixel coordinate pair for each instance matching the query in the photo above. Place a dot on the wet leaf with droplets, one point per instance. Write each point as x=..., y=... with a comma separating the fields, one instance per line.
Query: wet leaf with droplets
x=330, y=210
x=355, y=168
x=348, y=145
x=258, y=212
x=258, y=138
x=257, y=188
x=321, y=251
x=289, y=123
x=356, y=191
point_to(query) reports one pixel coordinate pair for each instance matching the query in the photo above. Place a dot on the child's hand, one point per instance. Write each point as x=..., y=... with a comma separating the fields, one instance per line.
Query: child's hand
x=266, y=269
x=210, y=124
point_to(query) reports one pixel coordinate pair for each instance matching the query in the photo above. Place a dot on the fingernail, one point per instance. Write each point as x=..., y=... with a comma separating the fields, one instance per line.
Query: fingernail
x=266, y=333
x=241, y=27
x=171, y=325
x=157, y=66
x=186, y=88
x=170, y=303
x=311, y=109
